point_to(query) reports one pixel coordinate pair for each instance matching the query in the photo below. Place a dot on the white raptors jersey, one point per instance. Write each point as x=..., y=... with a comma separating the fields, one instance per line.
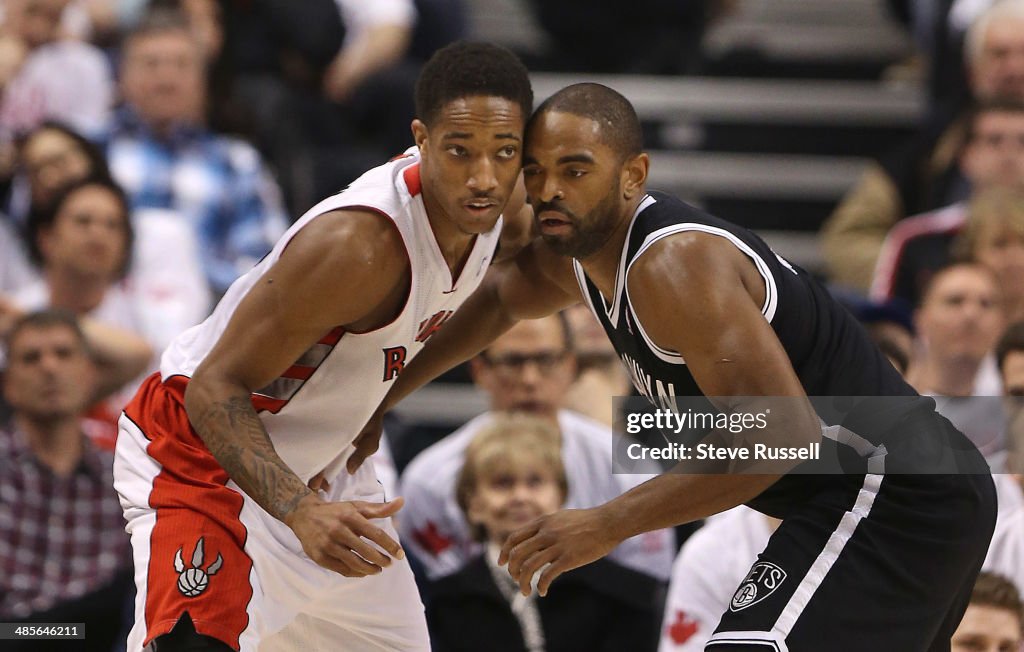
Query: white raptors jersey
x=316, y=407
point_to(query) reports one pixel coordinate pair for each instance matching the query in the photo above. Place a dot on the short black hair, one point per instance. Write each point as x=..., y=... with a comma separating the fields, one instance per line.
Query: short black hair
x=620, y=125
x=469, y=69
x=40, y=220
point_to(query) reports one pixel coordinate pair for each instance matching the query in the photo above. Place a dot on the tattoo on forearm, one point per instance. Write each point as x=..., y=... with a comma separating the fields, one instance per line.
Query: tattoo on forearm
x=240, y=443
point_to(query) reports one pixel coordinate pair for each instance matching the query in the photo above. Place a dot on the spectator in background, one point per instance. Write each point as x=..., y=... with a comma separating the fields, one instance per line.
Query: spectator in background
x=328, y=84
x=165, y=157
x=994, y=237
x=958, y=323
x=63, y=549
x=528, y=369
x=600, y=375
x=166, y=272
x=992, y=161
x=514, y=473
x=43, y=76
x=1010, y=358
x=994, y=618
x=706, y=573
x=82, y=246
x=922, y=175
x=48, y=157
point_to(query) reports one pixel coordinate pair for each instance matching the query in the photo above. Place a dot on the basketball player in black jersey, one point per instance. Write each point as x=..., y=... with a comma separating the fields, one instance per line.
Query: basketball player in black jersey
x=862, y=561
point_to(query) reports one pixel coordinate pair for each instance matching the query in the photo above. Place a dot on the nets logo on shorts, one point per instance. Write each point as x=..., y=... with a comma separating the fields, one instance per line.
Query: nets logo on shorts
x=762, y=580
x=193, y=581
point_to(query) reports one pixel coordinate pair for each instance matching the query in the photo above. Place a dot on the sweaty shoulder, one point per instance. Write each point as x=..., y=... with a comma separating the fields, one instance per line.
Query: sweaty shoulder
x=695, y=260
x=351, y=253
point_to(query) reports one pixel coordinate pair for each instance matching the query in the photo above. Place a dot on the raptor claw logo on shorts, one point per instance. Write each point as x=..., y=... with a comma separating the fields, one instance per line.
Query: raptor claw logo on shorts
x=193, y=581
x=762, y=580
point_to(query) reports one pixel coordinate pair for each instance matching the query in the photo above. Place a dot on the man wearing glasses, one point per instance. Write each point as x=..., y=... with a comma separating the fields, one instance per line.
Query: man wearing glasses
x=528, y=369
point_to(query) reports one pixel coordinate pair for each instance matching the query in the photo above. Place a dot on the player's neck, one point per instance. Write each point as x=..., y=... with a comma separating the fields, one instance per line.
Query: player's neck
x=454, y=243
x=603, y=265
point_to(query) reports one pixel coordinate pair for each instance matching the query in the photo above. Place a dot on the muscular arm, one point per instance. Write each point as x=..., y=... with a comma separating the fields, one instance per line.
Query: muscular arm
x=711, y=314
x=534, y=284
x=695, y=294
x=345, y=268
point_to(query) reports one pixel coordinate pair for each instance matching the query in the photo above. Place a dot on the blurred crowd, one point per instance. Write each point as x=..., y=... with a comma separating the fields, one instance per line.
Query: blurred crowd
x=152, y=150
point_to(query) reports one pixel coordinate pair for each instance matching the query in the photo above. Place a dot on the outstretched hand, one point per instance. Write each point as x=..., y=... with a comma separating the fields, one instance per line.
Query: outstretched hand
x=366, y=442
x=340, y=537
x=556, y=543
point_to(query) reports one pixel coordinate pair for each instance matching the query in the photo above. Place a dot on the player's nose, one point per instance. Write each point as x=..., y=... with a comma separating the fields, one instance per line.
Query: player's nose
x=482, y=176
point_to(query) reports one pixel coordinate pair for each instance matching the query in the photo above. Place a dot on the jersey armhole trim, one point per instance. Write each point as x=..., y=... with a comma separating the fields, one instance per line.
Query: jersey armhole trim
x=771, y=289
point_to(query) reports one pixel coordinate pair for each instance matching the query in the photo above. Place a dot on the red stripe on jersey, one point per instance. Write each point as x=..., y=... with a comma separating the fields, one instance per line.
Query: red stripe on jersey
x=298, y=372
x=269, y=404
x=192, y=502
x=412, y=179
x=333, y=337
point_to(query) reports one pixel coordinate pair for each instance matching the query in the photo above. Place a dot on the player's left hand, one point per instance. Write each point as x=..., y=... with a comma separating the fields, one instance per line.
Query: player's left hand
x=563, y=541
x=366, y=442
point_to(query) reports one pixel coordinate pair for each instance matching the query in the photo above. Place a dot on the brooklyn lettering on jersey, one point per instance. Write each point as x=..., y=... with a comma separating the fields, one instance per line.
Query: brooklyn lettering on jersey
x=662, y=394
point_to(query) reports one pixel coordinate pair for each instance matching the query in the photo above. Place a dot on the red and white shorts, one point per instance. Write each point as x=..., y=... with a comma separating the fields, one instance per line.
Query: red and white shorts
x=204, y=547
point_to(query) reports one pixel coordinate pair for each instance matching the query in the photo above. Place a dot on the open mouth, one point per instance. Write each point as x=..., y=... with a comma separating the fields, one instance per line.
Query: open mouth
x=552, y=222
x=479, y=206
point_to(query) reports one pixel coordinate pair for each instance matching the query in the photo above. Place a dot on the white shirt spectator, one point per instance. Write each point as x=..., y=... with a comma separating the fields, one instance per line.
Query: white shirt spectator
x=359, y=15
x=1006, y=552
x=167, y=276
x=434, y=528
x=709, y=568
x=67, y=81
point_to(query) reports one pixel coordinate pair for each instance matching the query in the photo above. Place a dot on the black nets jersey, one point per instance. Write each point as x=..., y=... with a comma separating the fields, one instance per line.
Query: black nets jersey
x=830, y=351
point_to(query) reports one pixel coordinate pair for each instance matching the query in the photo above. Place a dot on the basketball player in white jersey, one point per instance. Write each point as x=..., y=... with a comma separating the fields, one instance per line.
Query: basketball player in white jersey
x=216, y=453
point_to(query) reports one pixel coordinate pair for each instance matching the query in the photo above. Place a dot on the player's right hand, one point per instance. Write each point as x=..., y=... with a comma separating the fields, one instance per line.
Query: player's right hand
x=341, y=537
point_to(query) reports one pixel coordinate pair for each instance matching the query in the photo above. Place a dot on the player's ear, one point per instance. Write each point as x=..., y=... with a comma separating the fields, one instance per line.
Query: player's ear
x=634, y=175
x=419, y=133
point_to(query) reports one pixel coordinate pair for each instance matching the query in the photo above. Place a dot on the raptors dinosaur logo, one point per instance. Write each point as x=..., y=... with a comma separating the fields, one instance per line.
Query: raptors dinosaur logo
x=193, y=581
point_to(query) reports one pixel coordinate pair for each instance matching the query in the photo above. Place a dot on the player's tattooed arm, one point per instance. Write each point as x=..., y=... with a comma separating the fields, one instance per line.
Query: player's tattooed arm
x=239, y=442
x=288, y=310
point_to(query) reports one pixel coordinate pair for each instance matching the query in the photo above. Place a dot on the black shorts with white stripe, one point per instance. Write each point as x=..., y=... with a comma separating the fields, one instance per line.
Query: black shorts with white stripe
x=869, y=563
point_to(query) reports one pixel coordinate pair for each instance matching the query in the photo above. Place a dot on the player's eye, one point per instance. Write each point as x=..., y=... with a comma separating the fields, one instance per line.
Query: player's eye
x=508, y=152
x=531, y=170
x=575, y=173
x=457, y=151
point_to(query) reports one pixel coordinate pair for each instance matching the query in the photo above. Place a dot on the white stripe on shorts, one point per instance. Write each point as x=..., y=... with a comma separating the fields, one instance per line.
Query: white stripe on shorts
x=815, y=574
